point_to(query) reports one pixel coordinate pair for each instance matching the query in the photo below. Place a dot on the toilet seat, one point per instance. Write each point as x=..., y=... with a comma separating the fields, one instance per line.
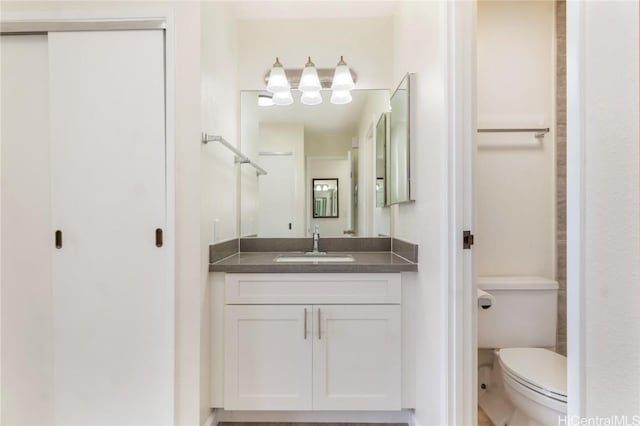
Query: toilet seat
x=539, y=370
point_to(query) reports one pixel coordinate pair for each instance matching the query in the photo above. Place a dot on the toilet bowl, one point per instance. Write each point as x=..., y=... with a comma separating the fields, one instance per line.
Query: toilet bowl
x=520, y=325
x=535, y=382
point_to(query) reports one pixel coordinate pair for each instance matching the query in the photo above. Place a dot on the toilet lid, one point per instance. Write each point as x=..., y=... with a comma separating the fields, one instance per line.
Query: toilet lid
x=540, y=367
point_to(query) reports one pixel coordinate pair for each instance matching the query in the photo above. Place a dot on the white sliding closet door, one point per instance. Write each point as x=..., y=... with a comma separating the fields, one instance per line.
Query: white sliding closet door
x=113, y=317
x=27, y=241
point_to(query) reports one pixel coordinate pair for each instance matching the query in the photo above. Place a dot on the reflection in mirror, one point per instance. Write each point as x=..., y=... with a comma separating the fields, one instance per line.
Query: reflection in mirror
x=399, y=134
x=325, y=198
x=381, y=161
x=299, y=145
x=380, y=192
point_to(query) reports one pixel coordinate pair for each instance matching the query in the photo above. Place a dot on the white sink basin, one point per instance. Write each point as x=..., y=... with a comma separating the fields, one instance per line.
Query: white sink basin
x=315, y=258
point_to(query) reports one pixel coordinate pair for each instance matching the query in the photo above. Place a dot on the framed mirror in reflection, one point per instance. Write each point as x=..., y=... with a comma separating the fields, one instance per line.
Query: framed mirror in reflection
x=325, y=198
x=301, y=147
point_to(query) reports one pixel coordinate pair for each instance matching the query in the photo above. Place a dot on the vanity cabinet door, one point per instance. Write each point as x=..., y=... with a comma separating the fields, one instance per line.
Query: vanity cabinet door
x=356, y=357
x=268, y=357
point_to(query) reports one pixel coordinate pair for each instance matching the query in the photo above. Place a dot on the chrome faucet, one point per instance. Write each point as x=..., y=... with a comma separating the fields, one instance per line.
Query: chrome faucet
x=316, y=238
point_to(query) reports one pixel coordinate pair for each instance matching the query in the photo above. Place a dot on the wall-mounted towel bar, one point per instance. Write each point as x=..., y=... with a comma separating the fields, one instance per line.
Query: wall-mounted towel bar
x=539, y=132
x=240, y=157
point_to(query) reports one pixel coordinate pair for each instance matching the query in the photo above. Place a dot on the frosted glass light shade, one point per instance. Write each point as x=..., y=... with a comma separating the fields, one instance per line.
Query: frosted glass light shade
x=342, y=79
x=309, y=81
x=277, y=79
x=341, y=97
x=283, y=98
x=311, y=98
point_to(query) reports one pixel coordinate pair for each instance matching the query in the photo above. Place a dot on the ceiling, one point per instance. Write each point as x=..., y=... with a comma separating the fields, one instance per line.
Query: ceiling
x=313, y=9
x=323, y=118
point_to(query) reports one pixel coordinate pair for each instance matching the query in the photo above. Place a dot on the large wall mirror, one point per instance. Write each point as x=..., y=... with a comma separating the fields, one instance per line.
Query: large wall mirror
x=399, y=143
x=305, y=149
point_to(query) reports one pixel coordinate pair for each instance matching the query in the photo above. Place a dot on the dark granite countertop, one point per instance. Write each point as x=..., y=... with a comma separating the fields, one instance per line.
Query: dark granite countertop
x=263, y=262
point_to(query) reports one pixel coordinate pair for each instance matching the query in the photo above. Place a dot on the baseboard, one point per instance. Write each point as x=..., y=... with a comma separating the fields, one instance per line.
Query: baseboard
x=404, y=416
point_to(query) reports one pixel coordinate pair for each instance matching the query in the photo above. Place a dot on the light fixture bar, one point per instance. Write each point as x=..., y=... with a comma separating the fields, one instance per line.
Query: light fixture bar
x=324, y=74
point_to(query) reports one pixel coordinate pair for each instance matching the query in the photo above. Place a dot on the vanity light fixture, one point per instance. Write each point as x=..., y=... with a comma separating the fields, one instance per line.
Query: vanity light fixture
x=283, y=98
x=311, y=98
x=278, y=81
x=309, y=80
x=265, y=100
x=342, y=79
x=341, y=97
x=342, y=84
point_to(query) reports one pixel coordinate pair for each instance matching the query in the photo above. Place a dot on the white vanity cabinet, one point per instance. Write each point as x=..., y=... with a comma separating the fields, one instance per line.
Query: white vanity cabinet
x=356, y=357
x=268, y=353
x=310, y=352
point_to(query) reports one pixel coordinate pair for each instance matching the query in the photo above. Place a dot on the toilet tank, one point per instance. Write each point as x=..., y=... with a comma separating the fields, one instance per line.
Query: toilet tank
x=523, y=313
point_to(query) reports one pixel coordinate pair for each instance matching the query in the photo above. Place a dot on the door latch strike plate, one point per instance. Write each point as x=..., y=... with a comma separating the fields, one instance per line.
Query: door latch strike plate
x=467, y=240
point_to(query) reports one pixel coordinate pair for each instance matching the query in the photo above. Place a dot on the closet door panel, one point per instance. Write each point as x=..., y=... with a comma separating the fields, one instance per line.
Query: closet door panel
x=113, y=319
x=26, y=235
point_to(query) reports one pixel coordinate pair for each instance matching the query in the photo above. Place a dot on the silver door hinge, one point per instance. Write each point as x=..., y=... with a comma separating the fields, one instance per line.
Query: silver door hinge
x=467, y=240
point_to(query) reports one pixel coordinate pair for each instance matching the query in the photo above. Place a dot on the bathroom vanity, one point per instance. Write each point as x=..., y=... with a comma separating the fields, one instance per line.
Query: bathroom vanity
x=311, y=335
x=303, y=324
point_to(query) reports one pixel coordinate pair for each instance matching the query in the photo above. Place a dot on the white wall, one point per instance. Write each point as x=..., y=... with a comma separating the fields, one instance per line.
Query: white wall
x=220, y=106
x=514, y=172
x=327, y=144
x=418, y=47
x=186, y=71
x=605, y=87
x=364, y=42
x=219, y=174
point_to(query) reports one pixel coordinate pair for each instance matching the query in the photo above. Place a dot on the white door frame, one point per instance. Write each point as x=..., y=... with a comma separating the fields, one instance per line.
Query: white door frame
x=46, y=21
x=460, y=47
x=575, y=209
x=460, y=21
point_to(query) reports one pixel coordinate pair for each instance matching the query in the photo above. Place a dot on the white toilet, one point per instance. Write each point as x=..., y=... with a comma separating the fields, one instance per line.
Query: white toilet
x=521, y=325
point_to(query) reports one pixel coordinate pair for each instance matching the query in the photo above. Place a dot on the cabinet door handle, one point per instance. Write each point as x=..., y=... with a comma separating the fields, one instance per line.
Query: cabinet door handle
x=58, y=239
x=159, y=237
x=319, y=324
x=305, y=323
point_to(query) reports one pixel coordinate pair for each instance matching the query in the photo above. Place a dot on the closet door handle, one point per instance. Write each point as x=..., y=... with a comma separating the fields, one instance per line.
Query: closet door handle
x=305, y=323
x=159, y=238
x=319, y=324
x=58, y=239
